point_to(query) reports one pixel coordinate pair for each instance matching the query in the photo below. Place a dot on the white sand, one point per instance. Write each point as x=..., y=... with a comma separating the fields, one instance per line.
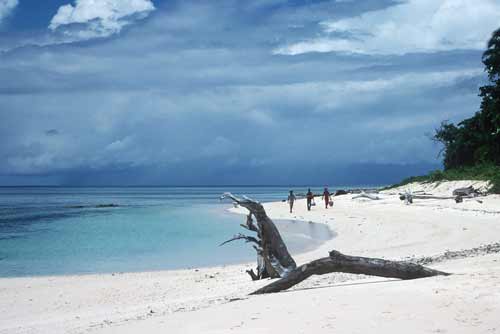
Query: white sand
x=198, y=301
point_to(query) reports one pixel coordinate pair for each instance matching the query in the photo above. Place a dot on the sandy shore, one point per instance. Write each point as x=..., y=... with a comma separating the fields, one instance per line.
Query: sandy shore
x=214, y=300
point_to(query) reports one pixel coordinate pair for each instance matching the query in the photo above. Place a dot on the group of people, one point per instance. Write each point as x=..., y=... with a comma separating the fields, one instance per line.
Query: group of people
x=326, y=196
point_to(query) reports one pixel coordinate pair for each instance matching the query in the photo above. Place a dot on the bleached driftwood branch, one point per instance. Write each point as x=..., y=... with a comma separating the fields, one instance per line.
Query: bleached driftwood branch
x=365, y=195
x=274, y=260
x=338, y=262
x=409, y=197
x=241, y=236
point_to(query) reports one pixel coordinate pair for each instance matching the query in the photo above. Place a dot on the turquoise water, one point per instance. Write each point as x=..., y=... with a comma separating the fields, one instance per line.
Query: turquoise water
x=58, y=231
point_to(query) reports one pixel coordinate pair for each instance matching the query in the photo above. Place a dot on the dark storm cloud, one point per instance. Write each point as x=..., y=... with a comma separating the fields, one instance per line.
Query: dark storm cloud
x=195, y=92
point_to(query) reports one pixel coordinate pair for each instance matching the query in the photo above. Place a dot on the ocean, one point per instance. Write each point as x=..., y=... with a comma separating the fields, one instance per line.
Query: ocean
x=76, y=230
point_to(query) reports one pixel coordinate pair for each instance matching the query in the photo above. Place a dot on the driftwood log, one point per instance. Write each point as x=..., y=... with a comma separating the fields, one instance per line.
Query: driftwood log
x=274, y=260
x=366, y=195
x=459, y=195
x=338, y=262
x=409, y=197
x=468, y=191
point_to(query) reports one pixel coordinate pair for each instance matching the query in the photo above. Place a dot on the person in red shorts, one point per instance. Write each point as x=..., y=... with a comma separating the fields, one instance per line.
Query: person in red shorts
x=326, y=197
x=310, y=199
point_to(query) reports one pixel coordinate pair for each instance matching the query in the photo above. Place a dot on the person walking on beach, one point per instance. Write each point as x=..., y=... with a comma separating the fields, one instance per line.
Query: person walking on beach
x=291, y=199
x=310, y=199
x=326, y=197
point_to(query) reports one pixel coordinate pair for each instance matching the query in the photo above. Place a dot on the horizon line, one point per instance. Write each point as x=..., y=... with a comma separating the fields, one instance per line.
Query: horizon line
x=188, y=186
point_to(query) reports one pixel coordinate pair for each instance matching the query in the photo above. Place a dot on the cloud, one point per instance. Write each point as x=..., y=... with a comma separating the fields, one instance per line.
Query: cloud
x=52, y=132
x=6, y=7
x=120, y=144
x=103, y=130
x=408, y=27
x=184, y=95
x=89, y=19
x=220, y=146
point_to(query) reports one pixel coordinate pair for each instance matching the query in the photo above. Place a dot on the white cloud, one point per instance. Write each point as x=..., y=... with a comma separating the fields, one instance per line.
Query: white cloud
x=199, y=94
x=100, y=18
x=120, y=145
x=412, y=26
x=6, y=7
x=260, y=117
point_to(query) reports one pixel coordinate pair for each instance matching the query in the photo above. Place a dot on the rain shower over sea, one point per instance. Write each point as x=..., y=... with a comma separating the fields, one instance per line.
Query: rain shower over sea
x=75, y=230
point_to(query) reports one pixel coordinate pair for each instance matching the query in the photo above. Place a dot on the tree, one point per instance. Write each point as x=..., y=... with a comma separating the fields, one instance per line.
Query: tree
x=477, y=139
x=489, y=116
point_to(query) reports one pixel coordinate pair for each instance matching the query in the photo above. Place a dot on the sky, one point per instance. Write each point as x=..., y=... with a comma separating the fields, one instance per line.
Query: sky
x=231, y=92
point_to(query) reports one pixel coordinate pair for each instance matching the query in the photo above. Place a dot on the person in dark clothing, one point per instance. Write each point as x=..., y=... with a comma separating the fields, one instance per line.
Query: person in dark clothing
x=326, y=197
x=310, y=199
x=291, y=199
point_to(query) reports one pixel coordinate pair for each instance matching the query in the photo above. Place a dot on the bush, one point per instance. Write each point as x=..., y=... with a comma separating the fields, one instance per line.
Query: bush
x=436, y=175
x=495, y=181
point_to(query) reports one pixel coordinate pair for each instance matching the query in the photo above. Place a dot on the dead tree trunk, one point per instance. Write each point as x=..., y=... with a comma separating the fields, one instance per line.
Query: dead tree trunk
x=338, y=262
x=273, y=258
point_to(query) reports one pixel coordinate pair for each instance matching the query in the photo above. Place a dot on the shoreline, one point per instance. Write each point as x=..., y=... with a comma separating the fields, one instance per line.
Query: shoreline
x=155, y=301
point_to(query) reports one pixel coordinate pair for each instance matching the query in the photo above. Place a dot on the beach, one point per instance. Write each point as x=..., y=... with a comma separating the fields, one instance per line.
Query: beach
x=215, y=300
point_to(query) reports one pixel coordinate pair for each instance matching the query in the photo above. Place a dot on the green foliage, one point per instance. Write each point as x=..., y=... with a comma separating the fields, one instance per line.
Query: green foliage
x=472, y=147
x=491, y=57
x=495, y=181
x=483, y=172
x=436, y=175
x=476, y=140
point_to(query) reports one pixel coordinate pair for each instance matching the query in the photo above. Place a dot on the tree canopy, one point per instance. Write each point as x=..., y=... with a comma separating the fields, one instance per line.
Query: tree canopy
x=476, y=140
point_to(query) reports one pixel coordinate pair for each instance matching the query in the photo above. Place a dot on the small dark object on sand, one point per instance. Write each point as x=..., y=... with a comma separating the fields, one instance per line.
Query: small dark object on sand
x=465, y=191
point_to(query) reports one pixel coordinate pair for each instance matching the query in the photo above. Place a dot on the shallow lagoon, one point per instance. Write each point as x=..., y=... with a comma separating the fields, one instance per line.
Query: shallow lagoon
x=60, y=231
